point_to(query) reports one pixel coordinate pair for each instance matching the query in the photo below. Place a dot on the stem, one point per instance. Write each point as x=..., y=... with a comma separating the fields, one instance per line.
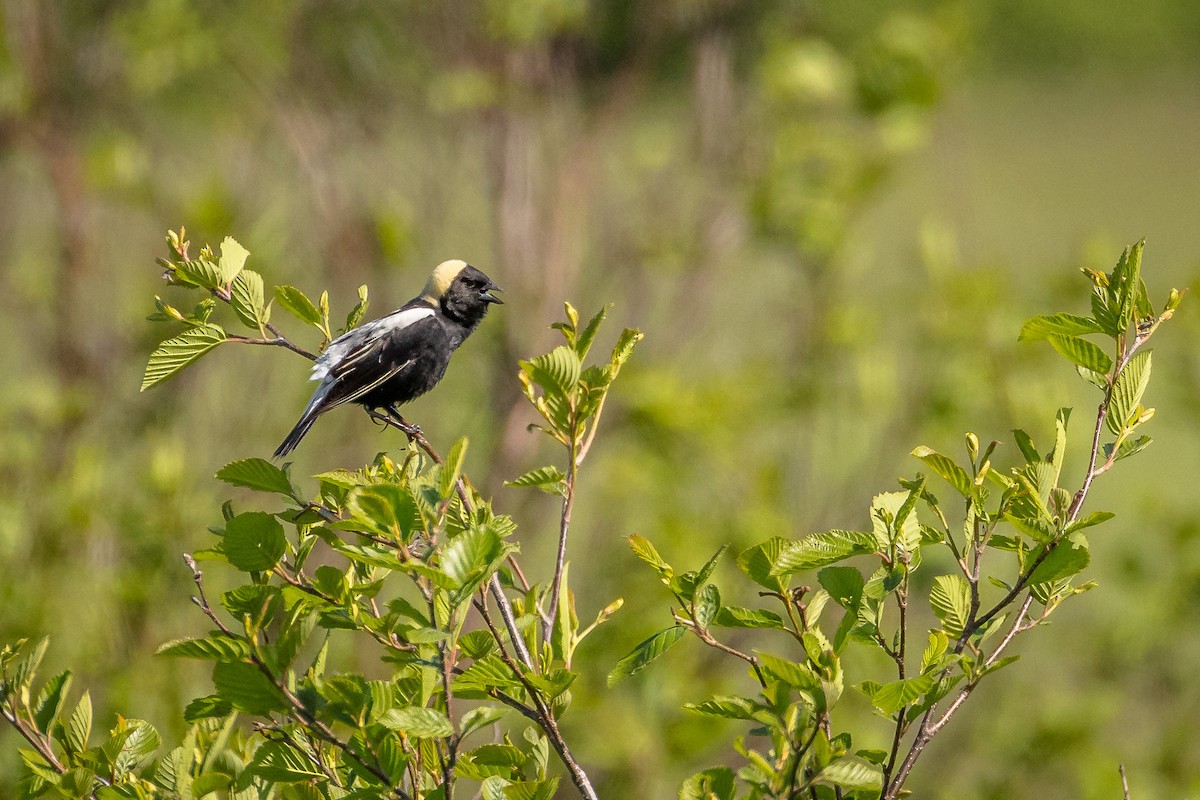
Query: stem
x=278, y=341
x=563, y=525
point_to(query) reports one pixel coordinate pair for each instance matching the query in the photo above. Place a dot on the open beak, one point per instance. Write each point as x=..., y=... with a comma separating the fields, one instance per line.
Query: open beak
x=487, y=295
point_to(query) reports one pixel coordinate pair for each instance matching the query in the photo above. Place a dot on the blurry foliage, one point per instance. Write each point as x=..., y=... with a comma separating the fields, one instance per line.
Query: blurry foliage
x=704, y=164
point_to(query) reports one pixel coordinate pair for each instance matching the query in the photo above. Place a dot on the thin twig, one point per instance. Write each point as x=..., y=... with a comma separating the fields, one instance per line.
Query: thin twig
x=564, y=525
x=278, y=341
x=1124, y=782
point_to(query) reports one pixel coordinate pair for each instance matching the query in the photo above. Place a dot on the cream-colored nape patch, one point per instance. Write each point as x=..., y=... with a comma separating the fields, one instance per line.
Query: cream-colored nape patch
x=443, y=275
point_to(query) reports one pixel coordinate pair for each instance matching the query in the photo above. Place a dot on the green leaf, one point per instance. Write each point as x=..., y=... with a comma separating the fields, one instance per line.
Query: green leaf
x=385, y=509
x=174, y=354
x=758, y=561
x=280, y=762
x=470, y=557
x=213, y=648
x=1127, y=393
x=822, y=549
x=556, y=372
x=355, y=317
x=209, y=782
x=254, y=541
x=418, y=722
x=531, y=790
x=1069, y=557
x=944, y=466
x=891, y=697
x=716, y=783
x=199, y=272
x=452, y=467
x=246, y=297
x=736, y=617
x=1081, y=352
x=852, y=774
x=257, y=474
x=951, y=601
x=585, y=337
x=1095, y=518
x=725, y=707
x=247, y=689
x=50, y=700
x=624, y=349
x=1058, y=325
x=1128, y=447
x=1037, y=529
x=549, y=479
x=707, y=604
x=233, y=258
x=141, y=740
x=645, y=653
x=208, y=707
x=79, y=727
x=296, y=302
x=646, y=551
x=844, y=584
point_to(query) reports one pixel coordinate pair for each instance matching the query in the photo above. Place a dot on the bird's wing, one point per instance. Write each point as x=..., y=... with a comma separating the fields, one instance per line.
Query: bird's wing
x=365, y=363
x=355, y=345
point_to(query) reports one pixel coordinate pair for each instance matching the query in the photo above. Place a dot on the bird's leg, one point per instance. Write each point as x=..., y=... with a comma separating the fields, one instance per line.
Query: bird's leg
x=413, y=432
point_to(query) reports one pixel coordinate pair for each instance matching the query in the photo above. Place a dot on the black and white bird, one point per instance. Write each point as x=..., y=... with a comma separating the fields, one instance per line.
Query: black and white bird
x=399, y=357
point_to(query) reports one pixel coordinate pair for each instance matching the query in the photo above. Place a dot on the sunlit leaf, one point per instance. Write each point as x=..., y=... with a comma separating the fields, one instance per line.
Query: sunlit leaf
x=645, y=653
x=174, y=354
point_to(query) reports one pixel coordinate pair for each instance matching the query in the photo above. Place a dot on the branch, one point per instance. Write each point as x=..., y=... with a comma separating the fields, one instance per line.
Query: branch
x=563, y=525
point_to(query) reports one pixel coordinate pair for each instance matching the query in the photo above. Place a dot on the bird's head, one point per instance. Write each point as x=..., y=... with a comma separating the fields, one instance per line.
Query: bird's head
x=462, y=291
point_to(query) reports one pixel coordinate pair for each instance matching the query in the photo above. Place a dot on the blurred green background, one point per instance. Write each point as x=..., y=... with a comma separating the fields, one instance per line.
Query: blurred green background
x=830, y=219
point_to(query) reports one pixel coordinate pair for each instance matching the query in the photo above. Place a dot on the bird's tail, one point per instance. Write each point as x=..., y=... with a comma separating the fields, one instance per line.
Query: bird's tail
x=298, y=432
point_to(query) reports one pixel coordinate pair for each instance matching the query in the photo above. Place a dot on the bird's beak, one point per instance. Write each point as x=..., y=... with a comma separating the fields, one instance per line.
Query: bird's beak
x=487, y=295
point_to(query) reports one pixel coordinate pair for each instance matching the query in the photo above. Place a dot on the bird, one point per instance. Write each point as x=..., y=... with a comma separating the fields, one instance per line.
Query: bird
x=400, y=356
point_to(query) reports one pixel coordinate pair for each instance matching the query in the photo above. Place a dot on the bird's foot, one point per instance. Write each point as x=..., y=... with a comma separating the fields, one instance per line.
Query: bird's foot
x=413, y=432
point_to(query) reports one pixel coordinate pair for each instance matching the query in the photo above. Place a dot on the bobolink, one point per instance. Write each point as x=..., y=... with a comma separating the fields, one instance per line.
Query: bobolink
x=401, y=356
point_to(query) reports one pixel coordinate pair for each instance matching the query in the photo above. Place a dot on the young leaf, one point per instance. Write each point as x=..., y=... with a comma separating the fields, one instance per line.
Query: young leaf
x=254, y=541
x=214, y=648
x=246, y=297
x=452, y=467
x=711, y=784
x=79, y=727
x=944, y=466
x=1127, y=394
x=355, y=317
x=822, y=549
x=891, y=697
x=844, y=584
x=646, y=652
x=585, y=337
x=280, y=762
x=1070, y=556
x=1128, y=447
x=1058, y=325
x=298, y=304
x=258, y=474
x=548, y=479
x=852, y=774
x=1081, y=352
x=176, y=353
x=646, y=551
x=418, y=722
x=951, y=601
x=233, y=258
x=757, y=563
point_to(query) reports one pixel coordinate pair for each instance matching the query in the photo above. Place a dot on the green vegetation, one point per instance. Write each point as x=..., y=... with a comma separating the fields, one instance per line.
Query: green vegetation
x=829, y=219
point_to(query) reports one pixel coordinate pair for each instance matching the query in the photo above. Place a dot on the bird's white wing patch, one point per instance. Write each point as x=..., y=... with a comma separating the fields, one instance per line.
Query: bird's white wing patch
x=353, y=340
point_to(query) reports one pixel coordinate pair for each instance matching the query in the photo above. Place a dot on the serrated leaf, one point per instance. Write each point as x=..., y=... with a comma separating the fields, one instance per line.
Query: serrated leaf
x=556, y=372
x=258, y=474
x=891, y=697
x=716, y=783
x=951, y=601
x=199, y=272
x=175, y=353
x=645, y=653
x=254, y=541
x=531, y=790
x=298, y=304
x=141, y=740
x=208, y=707
x=233, y=258
x=549, y=479
x=758, y=561
x=1127, y=393
x=79, y=726
x=944, y=466
x=624, y=348
x=707, y=604
x=725, y=707
x=1037, y=529
x=1095, y=518
x=355, y=317
x=1081, y=352
x=822, y=549
x=247, y=689
x=248, y=301
x=643, y=549
x=385, y=509
x=1128, y=447
x=1069, y=557
x=470, y=557
x=844, y=584
x=212, y=648
x=280, y=762
x=209, y=782
x=50, y=700
x=852, y=774
x=585, y=337
x=736, y=617
x=1058, y=325
x=418, y=722
x=452, y=467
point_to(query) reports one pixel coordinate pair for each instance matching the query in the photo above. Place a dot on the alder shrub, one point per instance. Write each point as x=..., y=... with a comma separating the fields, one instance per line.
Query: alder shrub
x=407, y=560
